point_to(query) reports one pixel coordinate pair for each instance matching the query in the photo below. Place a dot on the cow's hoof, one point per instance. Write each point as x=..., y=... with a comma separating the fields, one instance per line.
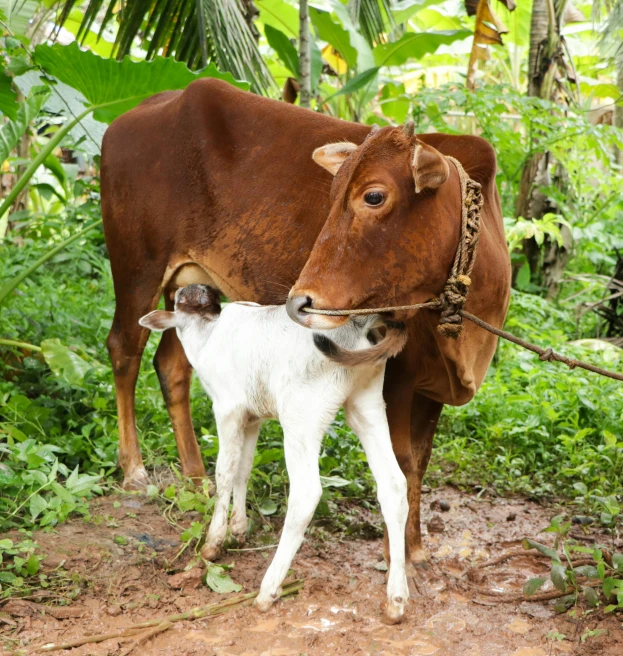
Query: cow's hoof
x=210, y=552
x=264, y=602
x=419, y=557
x=393, y=611
x=136, y=480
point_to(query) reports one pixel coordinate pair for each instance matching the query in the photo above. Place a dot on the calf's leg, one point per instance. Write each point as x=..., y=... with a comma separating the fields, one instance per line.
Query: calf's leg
x=174, y=373
x=302, y=449
x=231, y=439
x=365, y=413
x=238, y=521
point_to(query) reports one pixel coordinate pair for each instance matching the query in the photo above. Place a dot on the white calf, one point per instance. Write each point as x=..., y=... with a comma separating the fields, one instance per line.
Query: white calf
x=255, y=363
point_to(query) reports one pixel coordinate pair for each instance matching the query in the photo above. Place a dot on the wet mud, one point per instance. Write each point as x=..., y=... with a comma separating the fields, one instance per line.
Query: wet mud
x=121, y=561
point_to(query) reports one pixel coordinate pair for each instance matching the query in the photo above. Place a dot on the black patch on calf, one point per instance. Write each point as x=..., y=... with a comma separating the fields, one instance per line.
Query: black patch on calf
x=398, y=325
x=326, y=346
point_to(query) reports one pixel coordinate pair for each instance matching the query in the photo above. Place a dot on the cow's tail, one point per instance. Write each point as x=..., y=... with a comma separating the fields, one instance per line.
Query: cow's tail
x=393, y=342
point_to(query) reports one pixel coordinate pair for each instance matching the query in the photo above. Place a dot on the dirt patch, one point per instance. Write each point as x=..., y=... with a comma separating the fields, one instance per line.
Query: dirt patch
x=118, y=560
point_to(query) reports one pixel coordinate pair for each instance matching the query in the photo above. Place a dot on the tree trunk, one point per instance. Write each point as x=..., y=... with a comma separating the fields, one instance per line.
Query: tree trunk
x=544, y=58
x=304, y=55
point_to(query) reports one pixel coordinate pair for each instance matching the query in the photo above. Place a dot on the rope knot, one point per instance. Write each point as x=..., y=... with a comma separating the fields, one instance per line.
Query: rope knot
x=454, y=295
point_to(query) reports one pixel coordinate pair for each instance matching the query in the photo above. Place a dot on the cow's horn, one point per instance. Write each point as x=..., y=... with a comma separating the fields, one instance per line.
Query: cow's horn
x=408, y=128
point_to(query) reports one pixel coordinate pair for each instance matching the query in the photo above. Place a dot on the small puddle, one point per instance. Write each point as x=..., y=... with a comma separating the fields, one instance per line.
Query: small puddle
x=320, y=624
x=335, y=610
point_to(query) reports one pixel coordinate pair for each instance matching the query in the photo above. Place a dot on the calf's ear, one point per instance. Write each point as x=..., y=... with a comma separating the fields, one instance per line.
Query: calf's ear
x=332, y=156
x=158, y=320
x=430, y=167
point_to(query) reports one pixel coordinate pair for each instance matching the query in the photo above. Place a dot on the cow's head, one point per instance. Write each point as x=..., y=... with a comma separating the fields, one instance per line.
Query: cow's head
x=392, y=230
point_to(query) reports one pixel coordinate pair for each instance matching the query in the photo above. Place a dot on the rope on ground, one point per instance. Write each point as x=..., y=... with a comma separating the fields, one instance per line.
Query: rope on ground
x=144, y=631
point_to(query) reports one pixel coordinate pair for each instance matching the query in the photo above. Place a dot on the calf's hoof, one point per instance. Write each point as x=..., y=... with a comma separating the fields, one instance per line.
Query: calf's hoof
x=238, y=529
x=137, y=479
x=210, y=552
x=393, y=611
x=264, y=602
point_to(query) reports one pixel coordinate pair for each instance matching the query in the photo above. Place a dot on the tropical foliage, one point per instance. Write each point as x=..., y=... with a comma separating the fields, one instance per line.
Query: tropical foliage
x=532, y=429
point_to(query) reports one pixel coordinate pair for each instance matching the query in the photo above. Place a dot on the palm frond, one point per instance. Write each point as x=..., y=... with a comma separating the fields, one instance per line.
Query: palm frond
x=373, y=18
x=197, y=32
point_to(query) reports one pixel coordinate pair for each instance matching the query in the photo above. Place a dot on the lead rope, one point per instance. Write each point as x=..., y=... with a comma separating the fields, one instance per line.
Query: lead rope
x=454, y=295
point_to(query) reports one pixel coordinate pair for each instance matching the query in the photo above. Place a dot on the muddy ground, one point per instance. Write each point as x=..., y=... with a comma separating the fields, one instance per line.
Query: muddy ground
x=120, y=561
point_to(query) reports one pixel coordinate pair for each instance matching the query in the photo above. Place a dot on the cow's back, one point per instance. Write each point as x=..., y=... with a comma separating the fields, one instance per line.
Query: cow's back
x=225, y=179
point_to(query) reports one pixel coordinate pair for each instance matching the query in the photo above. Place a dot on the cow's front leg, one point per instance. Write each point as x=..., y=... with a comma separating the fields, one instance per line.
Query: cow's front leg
x=425, y=415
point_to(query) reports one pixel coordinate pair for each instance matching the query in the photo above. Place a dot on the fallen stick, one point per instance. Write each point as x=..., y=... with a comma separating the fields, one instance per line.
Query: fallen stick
x=164, y=623
x=147, y=635
x=506, y=597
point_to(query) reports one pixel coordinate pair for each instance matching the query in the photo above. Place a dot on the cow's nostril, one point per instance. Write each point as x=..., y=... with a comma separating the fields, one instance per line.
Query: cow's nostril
x=295, y=307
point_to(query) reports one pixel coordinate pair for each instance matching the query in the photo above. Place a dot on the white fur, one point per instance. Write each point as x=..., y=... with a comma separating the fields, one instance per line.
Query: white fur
x=255, y=363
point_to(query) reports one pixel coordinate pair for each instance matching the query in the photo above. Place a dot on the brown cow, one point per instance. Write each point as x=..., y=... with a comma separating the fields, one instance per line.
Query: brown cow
x=216, y=185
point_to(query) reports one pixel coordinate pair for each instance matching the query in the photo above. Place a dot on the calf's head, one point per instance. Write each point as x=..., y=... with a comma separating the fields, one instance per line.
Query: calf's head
x=392, y=231
x=194, y=305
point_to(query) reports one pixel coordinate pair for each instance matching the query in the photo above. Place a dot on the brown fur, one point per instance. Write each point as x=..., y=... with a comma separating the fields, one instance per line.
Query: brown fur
x=224, y=180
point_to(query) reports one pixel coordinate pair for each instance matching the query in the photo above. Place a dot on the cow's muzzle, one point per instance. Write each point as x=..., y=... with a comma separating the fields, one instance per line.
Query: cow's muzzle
x=295, y=307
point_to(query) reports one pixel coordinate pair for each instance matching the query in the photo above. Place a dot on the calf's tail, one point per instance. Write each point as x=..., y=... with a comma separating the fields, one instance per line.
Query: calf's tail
x=393, y=342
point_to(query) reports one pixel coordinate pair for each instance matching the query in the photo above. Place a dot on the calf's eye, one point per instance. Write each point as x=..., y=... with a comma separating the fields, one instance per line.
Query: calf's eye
x=374, y=198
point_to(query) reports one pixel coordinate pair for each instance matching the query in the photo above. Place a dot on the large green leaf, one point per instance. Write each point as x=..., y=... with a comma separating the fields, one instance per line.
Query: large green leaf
x=415, y=46
x=19, y=14
x=365, y=58
x=64, y=362
x=332, y=32
x=404, y=10
x=8, y=97
x=122, y=85
x=12, y=131
x=280, y=43
x=279, y=14
x=358, y=82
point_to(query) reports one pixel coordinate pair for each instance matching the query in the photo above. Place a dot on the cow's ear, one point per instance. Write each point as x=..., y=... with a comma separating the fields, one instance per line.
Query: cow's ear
x=430, y=167
x=332, y=156
x=159, y=320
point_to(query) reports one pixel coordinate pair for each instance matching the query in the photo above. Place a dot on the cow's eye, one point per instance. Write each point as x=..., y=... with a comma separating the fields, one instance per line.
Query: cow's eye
x=374, y=198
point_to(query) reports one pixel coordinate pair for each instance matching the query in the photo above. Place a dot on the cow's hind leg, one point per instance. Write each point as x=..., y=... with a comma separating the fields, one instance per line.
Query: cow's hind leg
x=174, y=373
x=126, y=342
